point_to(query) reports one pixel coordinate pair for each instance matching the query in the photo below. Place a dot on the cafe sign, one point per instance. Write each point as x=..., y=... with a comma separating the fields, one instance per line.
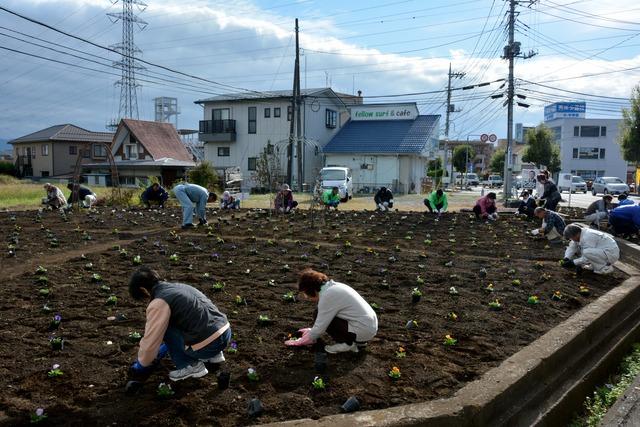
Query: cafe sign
x=384, y=112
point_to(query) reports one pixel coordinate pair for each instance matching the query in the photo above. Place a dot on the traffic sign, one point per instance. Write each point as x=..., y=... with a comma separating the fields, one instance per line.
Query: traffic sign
x=484, y=137
x=493, y=137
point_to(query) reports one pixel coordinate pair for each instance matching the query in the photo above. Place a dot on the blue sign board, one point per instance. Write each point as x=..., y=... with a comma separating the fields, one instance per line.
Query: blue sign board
x=560, y=110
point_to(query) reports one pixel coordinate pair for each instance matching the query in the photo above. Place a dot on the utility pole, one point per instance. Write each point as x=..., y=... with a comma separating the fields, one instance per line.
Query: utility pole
x=299, y=148
x=293, y=114
x=450, y=109
x=511, y=52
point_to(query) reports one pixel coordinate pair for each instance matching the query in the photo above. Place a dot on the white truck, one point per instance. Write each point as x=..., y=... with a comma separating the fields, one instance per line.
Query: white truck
x=337, y=176
x=493, y=181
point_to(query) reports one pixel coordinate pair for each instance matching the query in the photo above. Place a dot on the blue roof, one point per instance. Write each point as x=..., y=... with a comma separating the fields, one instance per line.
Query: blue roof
x=384, y=136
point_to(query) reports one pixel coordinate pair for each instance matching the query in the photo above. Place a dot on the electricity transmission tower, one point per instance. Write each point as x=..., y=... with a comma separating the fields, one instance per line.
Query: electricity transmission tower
x=127, y=64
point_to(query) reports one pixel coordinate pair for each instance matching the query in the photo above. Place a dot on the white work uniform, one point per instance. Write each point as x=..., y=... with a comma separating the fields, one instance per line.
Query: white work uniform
x=595, y=247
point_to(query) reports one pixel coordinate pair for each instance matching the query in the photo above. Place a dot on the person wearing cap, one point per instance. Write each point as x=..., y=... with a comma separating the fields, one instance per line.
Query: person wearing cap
x=383, y=199
x=154, y=193
x=284, y=202
x=552, y=224
x=342, y=313
x=331, y=198
x=188, y=194
x=229, y=202
x=81, y=193
x=55, y=198
x=485, y=207
x=527, y=205
x=624, y=200
x=193, y=329
x=590, y=250
x=598, y=210
x=436, y=202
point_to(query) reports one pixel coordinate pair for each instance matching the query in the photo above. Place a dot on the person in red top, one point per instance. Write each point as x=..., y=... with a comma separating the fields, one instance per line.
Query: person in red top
x=485, y=207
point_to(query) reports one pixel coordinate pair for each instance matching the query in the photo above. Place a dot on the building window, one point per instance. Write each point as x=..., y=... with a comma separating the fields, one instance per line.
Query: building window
x=73, y=150
x=45, y=150
x=131, y=151
x=99, y=150
x=589, y=131
x=289, y=113
x=602, y=152
x=96, y=180
x=330, y=118
x=220, y=114
x=276, y=112
x=267, y=113
x=576, y=131
x=253, y=117
x=86, y=153
x=587, y=153
x=253, y=161
x=603, y=131
x=224, y=151
x=557, y=133
x=575, y=153
x=44, y=173
x=128, y=180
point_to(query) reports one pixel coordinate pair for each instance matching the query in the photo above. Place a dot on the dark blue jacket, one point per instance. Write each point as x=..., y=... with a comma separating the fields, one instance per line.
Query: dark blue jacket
x=149, y=194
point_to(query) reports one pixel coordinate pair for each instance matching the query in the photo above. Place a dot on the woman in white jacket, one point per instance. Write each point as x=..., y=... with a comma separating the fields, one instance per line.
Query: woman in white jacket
x=341, y=312
x=590, y=249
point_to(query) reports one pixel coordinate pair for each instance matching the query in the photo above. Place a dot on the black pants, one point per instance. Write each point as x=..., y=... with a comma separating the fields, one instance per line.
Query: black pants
x=438, y=205
x=552, y=204
x=621, y=226
x=478, y=211
x=338, y=330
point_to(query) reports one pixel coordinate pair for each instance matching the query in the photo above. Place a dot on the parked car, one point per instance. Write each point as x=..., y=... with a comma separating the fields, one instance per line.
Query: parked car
x=472, y=179
x=609, y=185
x=572, y=183
x=337, y=176
x=493, y=181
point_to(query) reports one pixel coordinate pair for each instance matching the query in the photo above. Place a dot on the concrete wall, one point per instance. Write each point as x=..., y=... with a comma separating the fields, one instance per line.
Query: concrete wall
x=612, y=165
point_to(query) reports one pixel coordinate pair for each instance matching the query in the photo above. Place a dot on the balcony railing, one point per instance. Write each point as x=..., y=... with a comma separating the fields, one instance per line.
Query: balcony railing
x=217, y=130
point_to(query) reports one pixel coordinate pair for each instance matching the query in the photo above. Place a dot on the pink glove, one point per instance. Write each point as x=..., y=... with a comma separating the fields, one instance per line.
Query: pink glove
x=304, y=340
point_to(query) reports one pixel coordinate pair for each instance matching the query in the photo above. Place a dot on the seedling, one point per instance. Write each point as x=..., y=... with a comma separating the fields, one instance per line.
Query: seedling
x=449, y=341
x=516, y=282
x=164, y=391
x=448, y=264
x=419, y=280
x=135, y=337
x=105, y=288
x=206, y=276
x=489, y=288
x=88, y=266
x=174, y=258
x=394, y=373
x=338, y=254
x=453, y=291
x=56, y=343
x=384, y=284
x=41, y=270
x=112, y=300
x=286, y=268
x=495, y=305
x=557, y=296
x=263, y=319
x=95, y=277
x=54, y=243
x=55, y=322
x=511, y=271
x=123, y=253
x=217, y=286
x=401, y=353
x=289, y=297
x=215, y=256
x=347, y=244
x=137, y=260
x=44, y=292
x=252, y=375
x=452, y=316
x=55, y=371
x=239, y=300
x=375, y=306
x=533, y=300
x=318, y=383
x=43, y=280
x=38, y=417
x=411, y=324
x=304, y=257
x=416, y=294
x=583, y=290
x=270, y=242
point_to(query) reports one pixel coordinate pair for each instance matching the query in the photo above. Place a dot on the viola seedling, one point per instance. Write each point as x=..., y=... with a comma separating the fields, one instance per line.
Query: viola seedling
x=239, y=300
x=252, y=375
x=416, y=294
x=41, y=270
x=137, y=260
x=55, y=322
x=495, y=305
x=42, y=280
x=318, y=383
x=112, y=300
x=217, y=286
x=583, y=290
x=516, y=282
x=134, y=337
x=533, y=300
x=95, y=278
x=38, y=417
x=449, y=341
x=174, y=258
x=56, y=343
x=44, y=292
x=452, y=316
x=263, y=319
x=489, y=288
x=164, y=391
x=557, y=296
x=453, y=291
x=401, y=353
x=55, y=371
x=394, y=373
x=289, y=297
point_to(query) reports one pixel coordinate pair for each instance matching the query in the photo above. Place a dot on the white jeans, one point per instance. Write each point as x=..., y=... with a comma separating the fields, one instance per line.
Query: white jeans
x=553, y=234
x=596, y=217
x=89, y=201
x=598, y=258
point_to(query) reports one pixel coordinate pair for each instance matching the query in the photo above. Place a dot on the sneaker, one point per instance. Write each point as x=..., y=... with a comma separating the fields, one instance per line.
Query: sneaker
x=203, y=221
x=187, y=226
x=192, y=371
x=218, y=358
x=341, y=348
x=607, y=269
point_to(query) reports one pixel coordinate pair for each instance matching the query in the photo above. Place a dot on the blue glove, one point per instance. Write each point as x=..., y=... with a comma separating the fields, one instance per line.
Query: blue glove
x=162, y=353
x=137, y=368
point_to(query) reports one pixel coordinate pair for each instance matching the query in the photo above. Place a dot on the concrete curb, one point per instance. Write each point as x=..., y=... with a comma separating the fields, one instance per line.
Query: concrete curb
x=626, y=411
x=544, y=383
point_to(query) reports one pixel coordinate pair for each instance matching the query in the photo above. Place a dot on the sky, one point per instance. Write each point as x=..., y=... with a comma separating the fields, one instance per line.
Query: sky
x=384, y=48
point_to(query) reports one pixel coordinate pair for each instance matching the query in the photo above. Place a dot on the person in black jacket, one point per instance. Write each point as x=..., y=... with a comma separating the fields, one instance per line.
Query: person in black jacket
x=82, y=193
x=551, y=195
x=527, y=204
x=383, y=199
x=154, y=193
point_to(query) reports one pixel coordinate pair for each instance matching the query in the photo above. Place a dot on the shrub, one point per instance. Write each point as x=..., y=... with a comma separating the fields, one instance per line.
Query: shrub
x=204, y=175
x=7, y=168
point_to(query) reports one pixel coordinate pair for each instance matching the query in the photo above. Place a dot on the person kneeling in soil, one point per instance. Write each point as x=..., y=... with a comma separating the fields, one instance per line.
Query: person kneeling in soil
x=527, y=205
x=590, y=249
x=624, y=200
x=331, y=198
x=485, y=207
x=625, y=220
x=154, y=193
x=187, y=195
x=437, y=202
x=383, y=199
x=341, y=312
x=81, y=193
x=229, y=202
x=192, y=327
x=598, y=210
x=284, y=202
x=55, y=199
x=552, y=224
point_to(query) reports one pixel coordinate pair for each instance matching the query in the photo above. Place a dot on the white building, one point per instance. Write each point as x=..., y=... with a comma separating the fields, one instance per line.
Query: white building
x=385, y=145
x=588, y=147
x=238, y=128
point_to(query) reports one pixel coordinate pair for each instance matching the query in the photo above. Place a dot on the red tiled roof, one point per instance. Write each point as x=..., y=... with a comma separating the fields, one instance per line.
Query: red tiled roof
x=161, y=140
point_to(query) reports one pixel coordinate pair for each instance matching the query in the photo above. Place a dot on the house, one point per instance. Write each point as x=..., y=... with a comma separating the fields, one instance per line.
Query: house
x=54, y=151
x=239, y=127
x=143, y=149
x=385, y=145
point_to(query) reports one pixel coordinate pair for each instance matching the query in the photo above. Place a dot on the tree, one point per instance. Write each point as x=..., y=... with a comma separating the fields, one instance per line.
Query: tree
x=541, y=149
x=204, y=175
x=461, y=154
x=268, y=170
x=497, y=162
x=434, y=170
x=629, y=138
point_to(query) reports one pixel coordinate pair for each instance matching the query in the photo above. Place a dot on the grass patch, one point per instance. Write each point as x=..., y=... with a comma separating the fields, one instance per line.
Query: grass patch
x=605, y=396
x=22, y=194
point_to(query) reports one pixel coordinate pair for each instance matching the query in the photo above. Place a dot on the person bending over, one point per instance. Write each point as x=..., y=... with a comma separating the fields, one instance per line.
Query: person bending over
x=625, y=220
x=342, y=313
x=331, y=198
x=229, y=202
x=551, y=195
x=383, y=199
x=624, y=200
x=193, y=329
x=437, y=202
x=598, y=210
x=55, y=199
x=552, y=224
x=485, y=207
x=187, y=195
x=154, y=193
x=590, y=249
x=527, y=205
x=81, y=193
x=284, y=202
